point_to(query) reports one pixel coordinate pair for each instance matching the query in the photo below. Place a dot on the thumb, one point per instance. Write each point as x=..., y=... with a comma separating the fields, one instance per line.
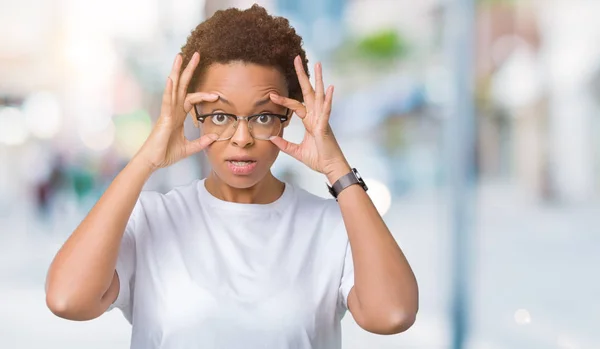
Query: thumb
x=289, y=148
x=197, y=145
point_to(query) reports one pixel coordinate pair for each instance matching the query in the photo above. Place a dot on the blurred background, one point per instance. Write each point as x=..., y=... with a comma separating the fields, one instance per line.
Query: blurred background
x=474, y=123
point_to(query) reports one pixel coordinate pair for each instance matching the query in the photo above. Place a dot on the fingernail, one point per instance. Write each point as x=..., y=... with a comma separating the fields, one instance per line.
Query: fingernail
x=272, y=138
x=213, y=136
x=273, y=95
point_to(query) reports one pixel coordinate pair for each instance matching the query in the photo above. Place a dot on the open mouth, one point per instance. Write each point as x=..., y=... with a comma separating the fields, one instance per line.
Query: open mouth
x=241, y=167
x=241, y=163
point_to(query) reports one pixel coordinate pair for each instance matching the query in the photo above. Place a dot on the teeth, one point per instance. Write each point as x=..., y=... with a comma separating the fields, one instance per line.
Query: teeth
x=241, y=163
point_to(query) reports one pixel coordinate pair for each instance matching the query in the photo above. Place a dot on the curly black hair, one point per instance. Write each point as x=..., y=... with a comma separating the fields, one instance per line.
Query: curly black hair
x=251, y=36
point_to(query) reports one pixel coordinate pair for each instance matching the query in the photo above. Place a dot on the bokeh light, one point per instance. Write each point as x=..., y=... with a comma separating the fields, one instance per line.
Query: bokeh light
x=379, y=194
x=13, y=130
x=43, y=115
x=99, y=140
x=522, y=317
x=566, y=342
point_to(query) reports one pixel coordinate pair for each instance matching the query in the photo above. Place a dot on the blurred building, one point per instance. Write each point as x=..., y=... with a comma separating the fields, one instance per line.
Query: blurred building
x=537, y=103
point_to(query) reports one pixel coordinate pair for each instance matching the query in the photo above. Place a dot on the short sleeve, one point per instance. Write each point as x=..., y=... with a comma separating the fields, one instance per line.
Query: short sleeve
x=347, y=281
x=125, y=266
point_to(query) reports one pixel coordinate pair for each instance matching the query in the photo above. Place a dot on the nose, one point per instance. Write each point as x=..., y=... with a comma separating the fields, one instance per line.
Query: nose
x=242, y=137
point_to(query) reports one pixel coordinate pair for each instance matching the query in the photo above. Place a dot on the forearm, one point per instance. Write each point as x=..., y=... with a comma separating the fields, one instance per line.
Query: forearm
x=83, y=268
x=384, y=283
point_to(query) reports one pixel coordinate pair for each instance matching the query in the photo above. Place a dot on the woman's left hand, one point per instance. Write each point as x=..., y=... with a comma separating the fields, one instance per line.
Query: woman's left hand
x=319, y=149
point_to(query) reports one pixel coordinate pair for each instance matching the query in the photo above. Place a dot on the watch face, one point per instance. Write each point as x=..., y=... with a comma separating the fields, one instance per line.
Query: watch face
x=360, y=180
x=357, y=175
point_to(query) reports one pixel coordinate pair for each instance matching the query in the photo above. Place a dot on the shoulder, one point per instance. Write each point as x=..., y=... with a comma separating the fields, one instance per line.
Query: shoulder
x=156, y=212
x=307, y=198
x=153, y=203
x=317, y=206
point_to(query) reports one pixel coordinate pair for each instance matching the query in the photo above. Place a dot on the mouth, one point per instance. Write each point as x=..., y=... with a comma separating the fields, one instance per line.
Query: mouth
x=241, y=166
x=241, y=161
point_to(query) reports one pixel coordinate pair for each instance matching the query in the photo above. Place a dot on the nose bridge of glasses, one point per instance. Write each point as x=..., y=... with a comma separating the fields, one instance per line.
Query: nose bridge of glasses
x=246, y=131
x=254, y=130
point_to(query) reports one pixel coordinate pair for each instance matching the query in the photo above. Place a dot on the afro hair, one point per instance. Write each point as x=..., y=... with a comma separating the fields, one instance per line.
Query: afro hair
x=249, y=36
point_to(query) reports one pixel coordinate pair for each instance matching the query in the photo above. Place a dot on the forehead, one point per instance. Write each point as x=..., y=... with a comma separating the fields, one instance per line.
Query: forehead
x=242, y=82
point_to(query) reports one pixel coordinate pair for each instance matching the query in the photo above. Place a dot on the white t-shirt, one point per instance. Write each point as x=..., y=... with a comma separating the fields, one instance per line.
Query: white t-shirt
x=199, y=272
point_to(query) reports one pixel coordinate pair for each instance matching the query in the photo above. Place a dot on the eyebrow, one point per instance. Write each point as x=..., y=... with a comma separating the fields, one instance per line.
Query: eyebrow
x=257, y=104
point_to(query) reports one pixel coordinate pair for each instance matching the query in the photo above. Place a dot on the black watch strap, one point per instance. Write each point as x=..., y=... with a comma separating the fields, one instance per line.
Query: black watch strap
x=353, y=177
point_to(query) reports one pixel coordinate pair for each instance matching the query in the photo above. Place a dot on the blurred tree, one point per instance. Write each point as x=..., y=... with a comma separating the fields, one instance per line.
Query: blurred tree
x=384, y=45
x=377, y=51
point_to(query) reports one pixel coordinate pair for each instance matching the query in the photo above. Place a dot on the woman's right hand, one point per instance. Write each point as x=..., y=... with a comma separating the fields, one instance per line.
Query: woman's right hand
x=167, y=143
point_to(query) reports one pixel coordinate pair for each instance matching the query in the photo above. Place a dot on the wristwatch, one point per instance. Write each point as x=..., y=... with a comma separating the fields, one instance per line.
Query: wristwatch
x=353, y=177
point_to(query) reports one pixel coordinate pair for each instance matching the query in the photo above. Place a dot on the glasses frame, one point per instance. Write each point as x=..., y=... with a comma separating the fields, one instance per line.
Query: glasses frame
x=202, y=117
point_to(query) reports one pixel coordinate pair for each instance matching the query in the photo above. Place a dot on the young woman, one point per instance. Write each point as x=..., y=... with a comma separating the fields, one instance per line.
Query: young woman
x=239, y=259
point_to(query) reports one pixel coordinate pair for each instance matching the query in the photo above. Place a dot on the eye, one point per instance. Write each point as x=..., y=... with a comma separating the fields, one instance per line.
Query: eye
x=219, y=119
x=265, y=119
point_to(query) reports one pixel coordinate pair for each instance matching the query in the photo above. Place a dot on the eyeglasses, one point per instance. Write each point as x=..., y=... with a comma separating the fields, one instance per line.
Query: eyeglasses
x=261, y=126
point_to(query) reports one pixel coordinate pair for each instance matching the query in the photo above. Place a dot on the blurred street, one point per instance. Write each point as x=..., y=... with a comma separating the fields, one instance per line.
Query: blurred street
x=433, y=98
x=532, y=281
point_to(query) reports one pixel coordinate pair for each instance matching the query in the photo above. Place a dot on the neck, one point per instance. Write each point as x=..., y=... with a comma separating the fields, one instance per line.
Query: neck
x=266, y=191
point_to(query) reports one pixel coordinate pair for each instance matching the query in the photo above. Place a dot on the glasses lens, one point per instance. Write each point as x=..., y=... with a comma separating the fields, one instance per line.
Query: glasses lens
x=220, y=124
x=265, y=126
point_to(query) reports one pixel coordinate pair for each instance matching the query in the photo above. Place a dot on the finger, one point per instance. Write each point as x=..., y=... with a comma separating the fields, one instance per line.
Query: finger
x=194, y=98
x=197, y=145
x=327, y=106
x=292, y=104
x=187, y=74
x=165, y=109
x=307, y=90
x=175, y=71
x=319, y=88
x=289, y=148
x=198, y=97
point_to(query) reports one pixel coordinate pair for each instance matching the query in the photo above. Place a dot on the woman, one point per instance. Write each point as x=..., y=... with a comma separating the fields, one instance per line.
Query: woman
x=238, y=259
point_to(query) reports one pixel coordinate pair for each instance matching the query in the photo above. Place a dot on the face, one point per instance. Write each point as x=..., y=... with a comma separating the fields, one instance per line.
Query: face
x=243, y=89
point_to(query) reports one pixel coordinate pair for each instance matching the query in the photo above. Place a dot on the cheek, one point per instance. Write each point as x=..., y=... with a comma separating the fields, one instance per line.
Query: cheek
x=271, y=150
x=214, y=150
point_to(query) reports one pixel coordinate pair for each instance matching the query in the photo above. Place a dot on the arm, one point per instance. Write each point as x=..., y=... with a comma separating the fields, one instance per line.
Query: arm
x=82, y=282
x=384, y=298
